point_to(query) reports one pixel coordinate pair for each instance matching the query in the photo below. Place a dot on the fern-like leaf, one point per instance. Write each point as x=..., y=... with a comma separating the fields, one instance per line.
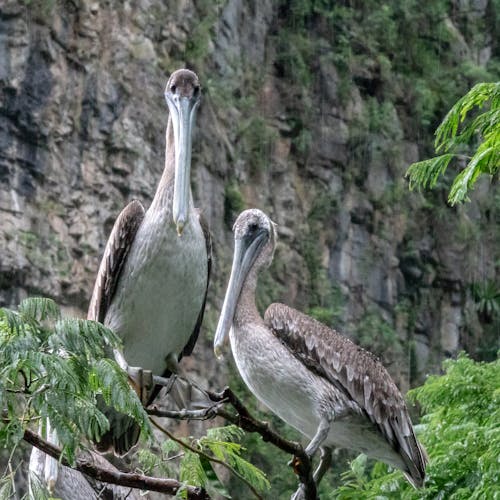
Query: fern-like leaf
x=465, y=180
x=39, y=309
x=191, y=471
x=108, y=378
x=426, y=173
x=219, y=442
x=476, y=97
x=485, y=160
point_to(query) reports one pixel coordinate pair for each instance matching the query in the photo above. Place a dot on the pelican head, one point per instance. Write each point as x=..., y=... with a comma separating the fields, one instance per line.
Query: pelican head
x=254, y=244
x=183, y=96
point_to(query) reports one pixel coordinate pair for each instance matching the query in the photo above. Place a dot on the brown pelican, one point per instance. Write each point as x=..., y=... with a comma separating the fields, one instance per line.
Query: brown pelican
x=152, y=283
x=319, y=382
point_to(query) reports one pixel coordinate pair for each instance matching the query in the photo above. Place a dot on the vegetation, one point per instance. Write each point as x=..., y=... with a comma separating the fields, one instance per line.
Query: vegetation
x=233, y=204
x=460, y=432
x=53, y=367
x=256, y=139
x=453, y=135
x=197, y=458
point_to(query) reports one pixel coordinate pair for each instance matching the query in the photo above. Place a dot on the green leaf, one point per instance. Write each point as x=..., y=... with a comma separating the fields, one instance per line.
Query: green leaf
x=39, y=309
x=218, y=442
x=466, y=179
x=191, y=471
x=486, y=158
x=426, y=173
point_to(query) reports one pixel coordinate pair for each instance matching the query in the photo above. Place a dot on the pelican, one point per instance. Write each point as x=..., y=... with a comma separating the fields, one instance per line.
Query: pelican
x=322, y=384
x=152, y=282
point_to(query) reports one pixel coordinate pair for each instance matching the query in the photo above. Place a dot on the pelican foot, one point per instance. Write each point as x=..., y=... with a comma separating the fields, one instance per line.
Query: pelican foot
x=295, y=463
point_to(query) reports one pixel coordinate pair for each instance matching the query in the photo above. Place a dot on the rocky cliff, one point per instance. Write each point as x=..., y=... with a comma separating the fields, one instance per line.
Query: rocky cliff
x=310, y=112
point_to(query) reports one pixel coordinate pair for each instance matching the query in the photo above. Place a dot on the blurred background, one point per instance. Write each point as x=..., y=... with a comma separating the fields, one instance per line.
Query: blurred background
x=312, y=111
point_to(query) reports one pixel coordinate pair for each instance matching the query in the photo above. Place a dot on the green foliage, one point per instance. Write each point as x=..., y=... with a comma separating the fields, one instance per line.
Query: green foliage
x=487, y=298
x=233, y=203
x=220, y=445
x=257, y=139
x=378, y=336
x=53, y=367
x=450, y=138
x=460, y=432
x=198, y=43
x=196, y=457
x=220, y=441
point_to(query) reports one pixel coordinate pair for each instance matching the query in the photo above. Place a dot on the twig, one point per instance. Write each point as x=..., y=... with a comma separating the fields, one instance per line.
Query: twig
x=184, y=414
x=139, y=481
x=208, y=457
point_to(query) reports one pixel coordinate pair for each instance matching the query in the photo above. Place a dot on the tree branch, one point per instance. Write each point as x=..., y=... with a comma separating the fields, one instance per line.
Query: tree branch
x=131, y=480
x=184, y=414
x=301, y=462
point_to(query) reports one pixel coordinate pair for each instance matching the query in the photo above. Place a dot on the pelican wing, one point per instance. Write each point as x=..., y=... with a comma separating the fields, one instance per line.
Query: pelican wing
x=188, y=349
x=357, y=373
x=115, y=255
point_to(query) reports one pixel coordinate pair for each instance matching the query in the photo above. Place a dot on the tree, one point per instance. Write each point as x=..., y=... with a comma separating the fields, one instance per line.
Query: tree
x=460, y=429
x=55, y=368
x=454, y=134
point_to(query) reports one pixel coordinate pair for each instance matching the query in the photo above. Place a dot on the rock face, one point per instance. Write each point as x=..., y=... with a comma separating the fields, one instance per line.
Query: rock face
x=321, y=147
x=82, y=132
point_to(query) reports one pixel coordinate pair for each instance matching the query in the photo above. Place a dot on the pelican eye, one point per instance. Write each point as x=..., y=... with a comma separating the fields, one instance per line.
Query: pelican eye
x=196, y=91
x=173, y=88
x=252, y=228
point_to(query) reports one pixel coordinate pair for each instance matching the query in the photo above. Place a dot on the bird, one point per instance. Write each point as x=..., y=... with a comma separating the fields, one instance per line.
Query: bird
x=152, y=282
x=321, y=383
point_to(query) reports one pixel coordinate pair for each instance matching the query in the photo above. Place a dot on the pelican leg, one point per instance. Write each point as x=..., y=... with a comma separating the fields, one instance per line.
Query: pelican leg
x=142, y=380
x=319, y=437
x=299, y=494
x=311, y=449
x=324, y=464
x=172, y=363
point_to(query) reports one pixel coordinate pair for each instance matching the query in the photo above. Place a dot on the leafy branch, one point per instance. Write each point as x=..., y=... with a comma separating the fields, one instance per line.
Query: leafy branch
x=244, y=420
x=55, y=368
x=451, y=139
x=301, y=462
x=131, y=480
x=225, y=451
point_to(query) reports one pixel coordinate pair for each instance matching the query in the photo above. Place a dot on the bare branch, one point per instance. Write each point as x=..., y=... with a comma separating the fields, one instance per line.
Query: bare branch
x=184, y=414
x=139, y=481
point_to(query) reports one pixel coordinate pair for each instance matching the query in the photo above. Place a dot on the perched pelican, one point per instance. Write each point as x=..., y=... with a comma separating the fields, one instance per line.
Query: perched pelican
x=331, y=390
x=152, y=283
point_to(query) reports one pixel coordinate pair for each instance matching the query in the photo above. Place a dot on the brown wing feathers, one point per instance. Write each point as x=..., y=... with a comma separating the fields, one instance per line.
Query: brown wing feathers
x=357, y=373
x=115, y=254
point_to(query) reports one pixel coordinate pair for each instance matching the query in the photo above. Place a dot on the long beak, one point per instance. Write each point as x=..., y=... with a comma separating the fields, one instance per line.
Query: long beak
x=182, y=112
x=245, y=253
